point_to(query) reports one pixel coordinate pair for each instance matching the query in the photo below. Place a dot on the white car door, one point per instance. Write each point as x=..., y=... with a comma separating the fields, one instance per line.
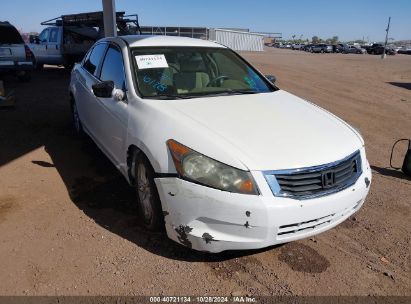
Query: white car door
x=87, y=102
x=112, y=113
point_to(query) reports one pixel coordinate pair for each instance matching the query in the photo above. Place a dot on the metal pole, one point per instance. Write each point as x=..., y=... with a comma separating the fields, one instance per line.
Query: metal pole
x=386, y=38
x=109, y=13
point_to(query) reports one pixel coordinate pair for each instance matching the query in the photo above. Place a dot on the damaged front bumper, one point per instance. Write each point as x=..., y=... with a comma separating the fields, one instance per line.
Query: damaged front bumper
x=211, y=220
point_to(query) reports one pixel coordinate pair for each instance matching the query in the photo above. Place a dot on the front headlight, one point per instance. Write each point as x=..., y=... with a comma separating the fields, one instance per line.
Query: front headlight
x=209, y=172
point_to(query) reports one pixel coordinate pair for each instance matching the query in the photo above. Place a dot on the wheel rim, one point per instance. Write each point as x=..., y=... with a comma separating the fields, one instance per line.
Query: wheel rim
x=76, y=118
x=144, y=192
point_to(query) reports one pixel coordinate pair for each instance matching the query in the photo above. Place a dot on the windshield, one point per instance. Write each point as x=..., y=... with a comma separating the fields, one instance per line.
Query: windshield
x=187, y=72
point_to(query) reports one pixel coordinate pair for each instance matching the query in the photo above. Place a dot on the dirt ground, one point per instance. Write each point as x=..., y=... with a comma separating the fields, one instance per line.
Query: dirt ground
x=68, y=223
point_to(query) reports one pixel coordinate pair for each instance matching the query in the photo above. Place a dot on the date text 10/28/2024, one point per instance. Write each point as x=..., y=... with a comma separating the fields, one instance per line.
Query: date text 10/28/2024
x=205, y=299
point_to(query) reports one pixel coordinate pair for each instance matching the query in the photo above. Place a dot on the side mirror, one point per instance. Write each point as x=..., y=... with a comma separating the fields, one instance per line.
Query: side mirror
x=35, y=40
x=271, y=78
x=103, y=89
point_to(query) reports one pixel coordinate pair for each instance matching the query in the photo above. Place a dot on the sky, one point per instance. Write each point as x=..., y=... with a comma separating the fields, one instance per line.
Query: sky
x=347, y=19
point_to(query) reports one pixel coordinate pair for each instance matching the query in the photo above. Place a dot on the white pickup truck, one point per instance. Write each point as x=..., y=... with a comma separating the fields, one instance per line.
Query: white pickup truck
x=58, y=45
x=68, y=38
x=15, y=56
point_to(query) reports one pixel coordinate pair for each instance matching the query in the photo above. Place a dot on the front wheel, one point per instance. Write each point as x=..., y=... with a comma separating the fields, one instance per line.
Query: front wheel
x=36, y=65
x=149, y=204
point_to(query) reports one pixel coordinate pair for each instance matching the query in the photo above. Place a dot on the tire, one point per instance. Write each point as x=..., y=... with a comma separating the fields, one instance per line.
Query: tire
x=68, y=65
x=149, y=204
x=77, y=125
x=37, y=66
x=25, y=77
x=69, y=62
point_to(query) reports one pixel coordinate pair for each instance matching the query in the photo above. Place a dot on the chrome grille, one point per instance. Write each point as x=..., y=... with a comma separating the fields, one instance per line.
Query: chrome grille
x=316, y=181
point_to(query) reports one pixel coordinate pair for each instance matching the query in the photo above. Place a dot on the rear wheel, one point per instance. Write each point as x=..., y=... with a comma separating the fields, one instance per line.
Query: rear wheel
x=149, y=204
x=78, y=127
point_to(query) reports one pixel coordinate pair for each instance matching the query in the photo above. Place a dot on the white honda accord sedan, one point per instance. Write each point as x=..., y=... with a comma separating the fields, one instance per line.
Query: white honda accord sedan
x=218, y=154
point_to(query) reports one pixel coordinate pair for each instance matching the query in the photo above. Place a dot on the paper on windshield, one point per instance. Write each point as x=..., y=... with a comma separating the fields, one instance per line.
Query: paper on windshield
x=151, y=62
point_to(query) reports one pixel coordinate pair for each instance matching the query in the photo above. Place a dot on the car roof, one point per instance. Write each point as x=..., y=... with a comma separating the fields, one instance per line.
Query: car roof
x=160, y=40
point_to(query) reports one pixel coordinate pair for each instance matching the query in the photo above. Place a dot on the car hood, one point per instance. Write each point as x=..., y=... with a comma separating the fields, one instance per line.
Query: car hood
x=272, y=131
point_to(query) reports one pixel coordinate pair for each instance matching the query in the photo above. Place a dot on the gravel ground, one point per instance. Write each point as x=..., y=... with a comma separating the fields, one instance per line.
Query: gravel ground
x=68, y=221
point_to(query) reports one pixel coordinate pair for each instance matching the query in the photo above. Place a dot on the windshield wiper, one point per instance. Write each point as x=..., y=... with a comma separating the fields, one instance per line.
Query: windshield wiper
x=230, y=92
x=202, y=94
x=172, y=97
x=243, y=92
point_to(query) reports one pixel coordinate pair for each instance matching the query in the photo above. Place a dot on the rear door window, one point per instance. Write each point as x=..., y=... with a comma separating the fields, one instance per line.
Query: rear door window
x=9, y=35
x=53, y=35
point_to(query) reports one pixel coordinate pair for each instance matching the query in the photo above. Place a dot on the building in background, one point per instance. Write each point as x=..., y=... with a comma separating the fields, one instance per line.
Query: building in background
x=191, y=32
x=239, y=41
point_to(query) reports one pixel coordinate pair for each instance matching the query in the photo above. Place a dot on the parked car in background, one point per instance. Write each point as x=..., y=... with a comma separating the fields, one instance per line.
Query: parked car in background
x=405, y=50
x=378, y=49
x=15, y=56
x=352, y=49
x=297, y=46
x=366, y=47
x=173, y=115
x=340, y=48
x=307, y=47
x=321, y=48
